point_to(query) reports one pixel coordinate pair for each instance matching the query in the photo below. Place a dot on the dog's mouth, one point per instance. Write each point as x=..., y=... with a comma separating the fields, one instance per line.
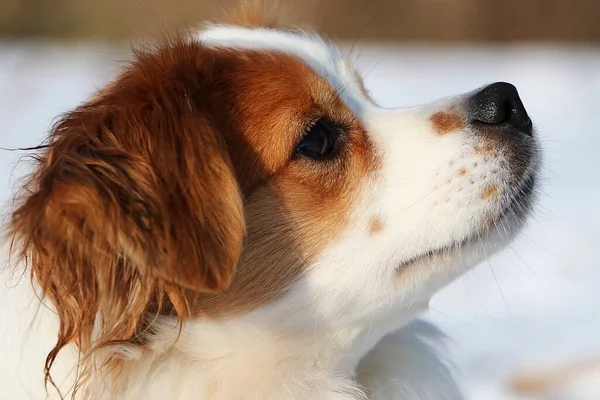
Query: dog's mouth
x=514, y=213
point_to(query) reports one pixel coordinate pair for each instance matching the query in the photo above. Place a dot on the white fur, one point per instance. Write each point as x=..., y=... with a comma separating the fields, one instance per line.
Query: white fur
x=344, y=330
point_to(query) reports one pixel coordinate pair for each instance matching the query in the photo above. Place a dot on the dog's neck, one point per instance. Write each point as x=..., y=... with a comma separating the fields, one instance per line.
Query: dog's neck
x=258, y=356
x=266, y=358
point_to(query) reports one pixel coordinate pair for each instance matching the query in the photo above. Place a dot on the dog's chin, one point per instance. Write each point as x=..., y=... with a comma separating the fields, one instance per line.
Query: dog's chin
x=497, y=232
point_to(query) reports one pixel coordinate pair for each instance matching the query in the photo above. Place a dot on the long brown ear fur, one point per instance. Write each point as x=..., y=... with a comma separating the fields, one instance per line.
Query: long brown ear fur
x=133, y=208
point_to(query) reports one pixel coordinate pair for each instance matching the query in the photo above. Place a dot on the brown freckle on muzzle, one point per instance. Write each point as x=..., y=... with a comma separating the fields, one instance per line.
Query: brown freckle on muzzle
x=375, y=226
x=444, y=122
x=487, y=149
x=489, y=192
x=462, y=172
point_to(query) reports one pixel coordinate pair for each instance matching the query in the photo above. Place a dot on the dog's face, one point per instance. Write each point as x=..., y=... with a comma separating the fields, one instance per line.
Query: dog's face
x=247, y=172
x=366, y=211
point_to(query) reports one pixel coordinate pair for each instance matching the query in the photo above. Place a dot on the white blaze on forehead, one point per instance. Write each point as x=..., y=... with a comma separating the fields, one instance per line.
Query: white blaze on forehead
x=317, y=53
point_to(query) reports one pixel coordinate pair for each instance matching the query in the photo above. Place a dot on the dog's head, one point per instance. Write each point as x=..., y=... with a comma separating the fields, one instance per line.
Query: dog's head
x=247, y=170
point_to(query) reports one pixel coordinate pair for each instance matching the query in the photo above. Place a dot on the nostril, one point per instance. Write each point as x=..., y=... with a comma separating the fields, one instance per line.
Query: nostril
x=508, y=110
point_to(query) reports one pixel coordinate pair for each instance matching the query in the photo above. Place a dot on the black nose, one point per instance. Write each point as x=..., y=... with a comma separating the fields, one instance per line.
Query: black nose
x=499, y=104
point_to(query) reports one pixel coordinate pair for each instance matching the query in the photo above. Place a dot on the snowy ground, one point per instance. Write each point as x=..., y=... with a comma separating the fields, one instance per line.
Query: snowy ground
x=537, y=303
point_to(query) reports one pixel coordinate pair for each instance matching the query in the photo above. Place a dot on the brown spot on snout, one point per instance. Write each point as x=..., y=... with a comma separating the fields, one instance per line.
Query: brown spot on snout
x=489, y=192
x=485, y=149
x=462, y=172
x=444, y=122
x=376, y=225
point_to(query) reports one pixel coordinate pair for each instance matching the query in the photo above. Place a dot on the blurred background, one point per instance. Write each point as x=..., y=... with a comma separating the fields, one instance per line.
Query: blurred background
x=388, y=20
x=525, y=324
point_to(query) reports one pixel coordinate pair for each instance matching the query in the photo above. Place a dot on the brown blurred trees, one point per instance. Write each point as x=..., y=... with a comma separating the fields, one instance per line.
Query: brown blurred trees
x=423, y=20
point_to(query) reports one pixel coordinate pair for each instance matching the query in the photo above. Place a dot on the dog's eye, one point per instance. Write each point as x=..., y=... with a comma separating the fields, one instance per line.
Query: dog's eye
x=320, y=141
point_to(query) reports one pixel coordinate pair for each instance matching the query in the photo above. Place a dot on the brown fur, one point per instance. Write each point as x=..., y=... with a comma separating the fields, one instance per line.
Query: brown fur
x=279, y=14
x=375, y=226
x=489, y=192
x=444, y=122
x=488, y=148
x=256, y=14
x=303, y=204
x=135, y=207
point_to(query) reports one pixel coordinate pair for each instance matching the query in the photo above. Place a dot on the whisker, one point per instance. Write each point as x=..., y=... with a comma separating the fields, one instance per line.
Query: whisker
x=500, y=290
x=417, y=202
x=535, y=276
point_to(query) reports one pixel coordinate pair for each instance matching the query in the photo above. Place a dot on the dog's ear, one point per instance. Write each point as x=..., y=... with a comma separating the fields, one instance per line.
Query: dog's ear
x=133, y=205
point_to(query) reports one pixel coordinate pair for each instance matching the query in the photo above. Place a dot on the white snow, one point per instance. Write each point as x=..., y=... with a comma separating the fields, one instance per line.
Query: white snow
x=535, y=304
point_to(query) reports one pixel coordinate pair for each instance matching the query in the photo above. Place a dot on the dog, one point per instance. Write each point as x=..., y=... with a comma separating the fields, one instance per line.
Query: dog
x=234, y=217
